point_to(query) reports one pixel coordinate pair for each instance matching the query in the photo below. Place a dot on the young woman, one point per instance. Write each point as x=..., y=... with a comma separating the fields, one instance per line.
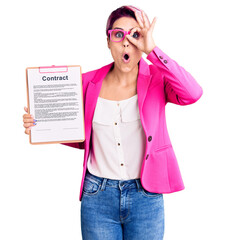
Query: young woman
x=129, y=161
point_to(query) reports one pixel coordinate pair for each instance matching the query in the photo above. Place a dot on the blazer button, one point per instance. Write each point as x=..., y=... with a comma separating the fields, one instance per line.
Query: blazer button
x=165, y=61
x=147, y=156
x=160, y=57
x=149, y=138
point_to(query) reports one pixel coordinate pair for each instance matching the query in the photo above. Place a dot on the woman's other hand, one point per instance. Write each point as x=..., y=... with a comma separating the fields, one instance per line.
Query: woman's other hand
x=145, y=42
x=28, y=120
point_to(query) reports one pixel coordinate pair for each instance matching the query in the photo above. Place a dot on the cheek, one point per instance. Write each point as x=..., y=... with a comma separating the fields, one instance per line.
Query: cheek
x=137, y=55
x=115, y=52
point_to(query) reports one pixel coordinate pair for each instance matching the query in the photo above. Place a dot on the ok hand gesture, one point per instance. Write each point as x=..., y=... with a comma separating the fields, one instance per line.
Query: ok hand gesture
x=145, y=42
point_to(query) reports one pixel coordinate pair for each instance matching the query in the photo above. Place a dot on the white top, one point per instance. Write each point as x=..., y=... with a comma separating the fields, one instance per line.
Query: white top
x=118, y=140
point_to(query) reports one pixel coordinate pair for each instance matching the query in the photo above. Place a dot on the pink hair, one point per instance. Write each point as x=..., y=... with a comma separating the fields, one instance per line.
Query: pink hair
x=124, y=11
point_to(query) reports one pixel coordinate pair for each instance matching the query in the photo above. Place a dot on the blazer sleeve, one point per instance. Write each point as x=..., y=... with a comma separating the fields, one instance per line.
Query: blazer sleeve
x=179, y=85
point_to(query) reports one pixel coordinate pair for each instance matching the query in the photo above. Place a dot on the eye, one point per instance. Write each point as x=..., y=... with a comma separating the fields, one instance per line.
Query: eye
x=136, y=35
x=118, y=34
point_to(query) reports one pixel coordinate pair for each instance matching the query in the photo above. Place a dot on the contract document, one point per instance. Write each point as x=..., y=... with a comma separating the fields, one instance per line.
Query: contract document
x=55, y=99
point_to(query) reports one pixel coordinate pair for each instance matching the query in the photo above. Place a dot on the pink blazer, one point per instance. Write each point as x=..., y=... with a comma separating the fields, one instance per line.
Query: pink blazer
x=158, y=83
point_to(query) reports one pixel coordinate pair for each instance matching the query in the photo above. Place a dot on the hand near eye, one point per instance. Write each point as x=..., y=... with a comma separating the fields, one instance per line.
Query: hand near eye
x=145, y=42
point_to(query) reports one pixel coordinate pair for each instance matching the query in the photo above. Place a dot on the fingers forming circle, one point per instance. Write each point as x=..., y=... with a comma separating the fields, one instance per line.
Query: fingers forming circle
x=136, y=29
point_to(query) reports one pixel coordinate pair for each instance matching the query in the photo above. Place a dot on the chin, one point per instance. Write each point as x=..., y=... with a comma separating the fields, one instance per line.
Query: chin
x=127, y=67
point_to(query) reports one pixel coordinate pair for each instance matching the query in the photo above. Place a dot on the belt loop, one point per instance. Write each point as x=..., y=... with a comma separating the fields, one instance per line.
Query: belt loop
x=138, y=185
x=103, y=184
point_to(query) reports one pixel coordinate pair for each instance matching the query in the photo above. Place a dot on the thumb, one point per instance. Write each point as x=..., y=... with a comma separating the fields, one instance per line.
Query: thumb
x=26, y=109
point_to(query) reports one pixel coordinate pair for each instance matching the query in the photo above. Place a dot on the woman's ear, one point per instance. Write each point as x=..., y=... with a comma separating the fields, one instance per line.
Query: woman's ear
x=108, y=40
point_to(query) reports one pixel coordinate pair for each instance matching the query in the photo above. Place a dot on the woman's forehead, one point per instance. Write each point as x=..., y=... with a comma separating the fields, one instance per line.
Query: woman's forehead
x=125, y=23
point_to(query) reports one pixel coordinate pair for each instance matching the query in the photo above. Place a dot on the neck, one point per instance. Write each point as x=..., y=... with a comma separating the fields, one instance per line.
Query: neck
x=124, y=78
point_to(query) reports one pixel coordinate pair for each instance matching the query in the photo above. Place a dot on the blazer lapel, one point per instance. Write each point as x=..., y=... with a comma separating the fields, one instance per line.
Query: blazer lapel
x=143, y=81
x=92, y=93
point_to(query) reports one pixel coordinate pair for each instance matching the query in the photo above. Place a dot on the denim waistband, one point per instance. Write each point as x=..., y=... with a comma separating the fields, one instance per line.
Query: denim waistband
x=131, y=183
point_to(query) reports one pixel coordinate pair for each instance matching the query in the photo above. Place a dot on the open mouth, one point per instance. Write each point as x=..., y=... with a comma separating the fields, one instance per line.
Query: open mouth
x=126, y=57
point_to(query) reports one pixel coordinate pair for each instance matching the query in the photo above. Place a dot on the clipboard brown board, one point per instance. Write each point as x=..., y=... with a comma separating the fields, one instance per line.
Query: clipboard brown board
x=55, y=99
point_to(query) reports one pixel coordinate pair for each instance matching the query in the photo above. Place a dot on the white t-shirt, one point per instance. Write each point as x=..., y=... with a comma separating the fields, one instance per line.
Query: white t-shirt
x=118, y=140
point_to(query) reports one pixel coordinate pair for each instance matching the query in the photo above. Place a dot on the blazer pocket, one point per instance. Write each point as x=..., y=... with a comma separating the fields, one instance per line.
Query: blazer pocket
x=162, y=148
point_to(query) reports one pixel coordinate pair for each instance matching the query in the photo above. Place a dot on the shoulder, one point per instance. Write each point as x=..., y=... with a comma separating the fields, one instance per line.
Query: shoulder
x=156, y=75
x=89, y=76
x=154, y=69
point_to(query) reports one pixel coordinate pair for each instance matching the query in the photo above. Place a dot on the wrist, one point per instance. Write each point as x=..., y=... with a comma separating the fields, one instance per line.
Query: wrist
x=150, y=50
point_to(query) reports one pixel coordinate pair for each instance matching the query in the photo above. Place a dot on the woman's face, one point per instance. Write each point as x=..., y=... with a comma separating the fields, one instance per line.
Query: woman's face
x=118, y=49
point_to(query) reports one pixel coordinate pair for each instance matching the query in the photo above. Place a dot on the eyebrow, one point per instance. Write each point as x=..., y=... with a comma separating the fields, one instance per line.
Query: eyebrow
x=122, y=28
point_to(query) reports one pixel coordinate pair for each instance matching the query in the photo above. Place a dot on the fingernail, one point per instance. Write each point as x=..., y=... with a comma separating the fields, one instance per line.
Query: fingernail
x=35, y=120
x=34, y=123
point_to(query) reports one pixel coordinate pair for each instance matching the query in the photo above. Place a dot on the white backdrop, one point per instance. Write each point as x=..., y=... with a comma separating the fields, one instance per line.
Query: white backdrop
x=39, y=185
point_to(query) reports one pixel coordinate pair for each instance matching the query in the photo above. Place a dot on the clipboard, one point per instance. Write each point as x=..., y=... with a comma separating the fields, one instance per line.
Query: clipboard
x=55, y=99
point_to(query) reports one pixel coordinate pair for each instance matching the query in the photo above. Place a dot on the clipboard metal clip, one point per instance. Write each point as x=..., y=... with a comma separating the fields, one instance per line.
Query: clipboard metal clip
x=53, y=69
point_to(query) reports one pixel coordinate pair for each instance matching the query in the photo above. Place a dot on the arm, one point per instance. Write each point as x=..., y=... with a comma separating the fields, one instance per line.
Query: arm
x=179, y=85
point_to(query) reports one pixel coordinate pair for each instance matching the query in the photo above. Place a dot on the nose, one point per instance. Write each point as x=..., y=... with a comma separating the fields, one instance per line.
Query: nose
x=125, y=42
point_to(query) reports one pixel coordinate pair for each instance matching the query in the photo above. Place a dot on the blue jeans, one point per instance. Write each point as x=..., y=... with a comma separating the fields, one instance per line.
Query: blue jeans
x=120, y=210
